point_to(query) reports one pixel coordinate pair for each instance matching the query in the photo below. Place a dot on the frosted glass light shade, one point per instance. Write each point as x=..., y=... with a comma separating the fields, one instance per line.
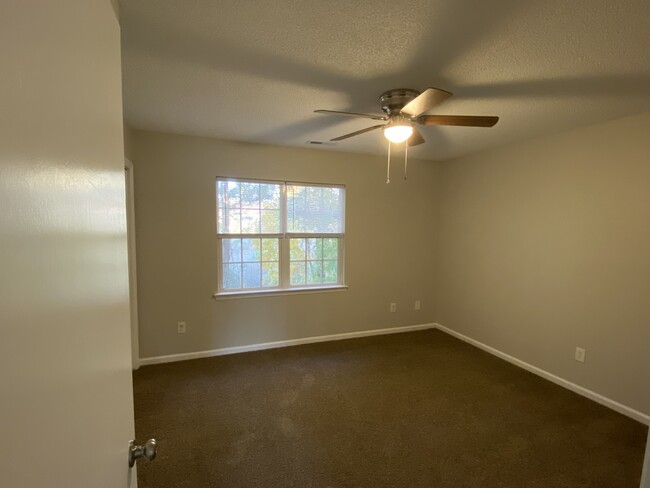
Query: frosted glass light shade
x=398, y=133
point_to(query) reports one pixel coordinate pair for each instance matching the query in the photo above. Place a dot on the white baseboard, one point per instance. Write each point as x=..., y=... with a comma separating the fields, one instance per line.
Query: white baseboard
x=272, y=345
x=592, y=395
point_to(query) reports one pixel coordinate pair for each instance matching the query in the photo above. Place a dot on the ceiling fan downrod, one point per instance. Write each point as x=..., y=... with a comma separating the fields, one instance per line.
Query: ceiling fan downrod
x=388, y=170
x=406, y=159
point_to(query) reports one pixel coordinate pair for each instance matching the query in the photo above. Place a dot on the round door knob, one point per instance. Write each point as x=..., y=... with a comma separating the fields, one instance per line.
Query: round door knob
x=147, y=450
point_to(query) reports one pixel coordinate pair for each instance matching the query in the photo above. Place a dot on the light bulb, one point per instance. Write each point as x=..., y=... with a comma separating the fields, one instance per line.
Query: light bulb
x=398, y=133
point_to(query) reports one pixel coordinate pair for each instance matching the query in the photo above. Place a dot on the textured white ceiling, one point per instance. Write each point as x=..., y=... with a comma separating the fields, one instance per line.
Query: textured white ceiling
x=256, y=70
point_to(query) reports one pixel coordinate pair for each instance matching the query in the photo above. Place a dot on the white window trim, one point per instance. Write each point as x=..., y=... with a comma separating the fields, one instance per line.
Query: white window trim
x=227, y=295
x=284, y=238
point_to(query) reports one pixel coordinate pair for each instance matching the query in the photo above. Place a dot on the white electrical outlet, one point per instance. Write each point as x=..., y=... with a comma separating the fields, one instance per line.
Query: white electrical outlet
x=417, y=305
x=580, y=354
x=181, y=327
x=393, y=307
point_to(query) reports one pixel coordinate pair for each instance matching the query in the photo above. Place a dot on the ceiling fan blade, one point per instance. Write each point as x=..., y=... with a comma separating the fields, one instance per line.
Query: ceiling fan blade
x=416, y=138
x=462, y=120
x=352, y=114
x=425, y=101
x=352, y=134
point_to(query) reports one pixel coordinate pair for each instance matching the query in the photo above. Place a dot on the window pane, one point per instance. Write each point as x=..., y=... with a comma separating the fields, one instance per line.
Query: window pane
x=330, y=248
x=250, y=222
x=222, y=189
x=231, y=276
x=297, y=249
x=250, y=195
x=252, y=275
x=232, y=221
x=270, y=274
x=250, y=249
x=314, y=260
x=330, y=271
x=314, y=209
x=270, y=250
x=233, y=194
x=314, y=272
x=245, y=207
x=315, y=249
x=228, y=207
x=297, y=273
x=270, y=196
x=260, y=266
x=270, y=221
x=231, y=250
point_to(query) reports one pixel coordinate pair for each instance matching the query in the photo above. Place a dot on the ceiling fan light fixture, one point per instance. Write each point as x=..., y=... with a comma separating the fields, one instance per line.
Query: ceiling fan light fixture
x=398, y=133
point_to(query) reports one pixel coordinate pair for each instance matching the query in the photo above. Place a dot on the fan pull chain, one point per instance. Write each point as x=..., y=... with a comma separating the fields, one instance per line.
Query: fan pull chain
x=388, y=170
x=406, y=158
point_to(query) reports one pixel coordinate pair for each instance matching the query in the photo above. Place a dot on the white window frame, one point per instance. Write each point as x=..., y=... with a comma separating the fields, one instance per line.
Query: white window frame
x=284, y=239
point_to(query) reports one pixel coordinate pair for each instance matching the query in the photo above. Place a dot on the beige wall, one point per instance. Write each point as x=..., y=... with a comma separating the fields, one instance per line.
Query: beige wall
x=545, y=246
x=389, y=244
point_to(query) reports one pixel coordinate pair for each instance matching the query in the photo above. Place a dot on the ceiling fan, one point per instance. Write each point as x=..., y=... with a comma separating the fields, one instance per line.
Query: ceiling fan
x=403, y=108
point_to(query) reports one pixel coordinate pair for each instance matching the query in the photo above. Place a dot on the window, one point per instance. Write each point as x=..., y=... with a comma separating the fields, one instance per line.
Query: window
x=279, y=236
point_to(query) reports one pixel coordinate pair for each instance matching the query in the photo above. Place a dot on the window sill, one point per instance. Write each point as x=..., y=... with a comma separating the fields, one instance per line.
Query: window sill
x=266, y=293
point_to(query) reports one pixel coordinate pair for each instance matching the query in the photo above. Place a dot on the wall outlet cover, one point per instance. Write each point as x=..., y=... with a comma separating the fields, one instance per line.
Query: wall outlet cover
x=181, y=327
x=580, y=354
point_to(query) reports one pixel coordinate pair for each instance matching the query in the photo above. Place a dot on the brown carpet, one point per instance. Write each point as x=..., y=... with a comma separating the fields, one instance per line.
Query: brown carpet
x=418, y=409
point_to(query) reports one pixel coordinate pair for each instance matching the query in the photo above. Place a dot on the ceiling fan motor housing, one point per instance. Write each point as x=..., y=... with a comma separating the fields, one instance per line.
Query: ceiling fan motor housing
x=404, y=108
x=393, y=101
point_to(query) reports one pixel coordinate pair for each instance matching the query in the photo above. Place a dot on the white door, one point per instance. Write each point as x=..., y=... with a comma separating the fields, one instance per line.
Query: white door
x=66, y=409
